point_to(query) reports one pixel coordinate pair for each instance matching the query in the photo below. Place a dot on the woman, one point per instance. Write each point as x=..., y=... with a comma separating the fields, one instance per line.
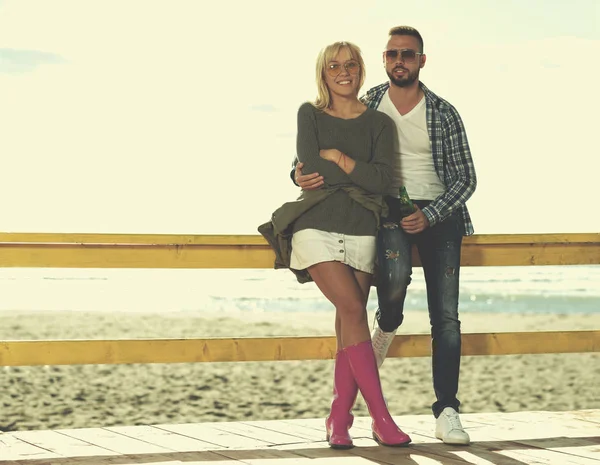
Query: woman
x=333, y=229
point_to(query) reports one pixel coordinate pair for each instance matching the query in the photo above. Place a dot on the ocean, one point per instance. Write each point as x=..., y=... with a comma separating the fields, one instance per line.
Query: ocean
x=518, y=290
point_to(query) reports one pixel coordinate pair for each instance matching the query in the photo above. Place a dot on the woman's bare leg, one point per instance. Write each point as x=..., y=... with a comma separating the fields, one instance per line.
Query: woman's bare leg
x=340, y=286
x=364, y=281
x=348, y=291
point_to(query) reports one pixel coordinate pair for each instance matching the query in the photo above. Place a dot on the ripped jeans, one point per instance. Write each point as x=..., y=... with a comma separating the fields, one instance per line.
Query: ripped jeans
x=439, y=249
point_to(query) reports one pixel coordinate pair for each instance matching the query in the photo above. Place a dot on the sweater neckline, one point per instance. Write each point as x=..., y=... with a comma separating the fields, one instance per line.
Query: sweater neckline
x=347, y=119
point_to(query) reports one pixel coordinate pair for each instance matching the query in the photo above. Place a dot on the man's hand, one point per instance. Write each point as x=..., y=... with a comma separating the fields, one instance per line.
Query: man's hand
x=307, y=182
x=415, y=222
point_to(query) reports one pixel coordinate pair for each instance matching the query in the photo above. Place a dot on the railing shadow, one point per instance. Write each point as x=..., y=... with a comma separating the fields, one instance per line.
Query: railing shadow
x=434, y=452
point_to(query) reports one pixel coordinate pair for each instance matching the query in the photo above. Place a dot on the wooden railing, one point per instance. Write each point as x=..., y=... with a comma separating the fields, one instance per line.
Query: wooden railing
x=201, y=251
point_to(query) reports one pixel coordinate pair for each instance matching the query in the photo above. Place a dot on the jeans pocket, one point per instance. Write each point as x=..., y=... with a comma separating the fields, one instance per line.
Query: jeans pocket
x=459, y=224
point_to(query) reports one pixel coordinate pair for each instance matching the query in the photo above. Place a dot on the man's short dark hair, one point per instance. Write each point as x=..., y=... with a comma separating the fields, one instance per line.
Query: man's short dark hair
x=406, y=31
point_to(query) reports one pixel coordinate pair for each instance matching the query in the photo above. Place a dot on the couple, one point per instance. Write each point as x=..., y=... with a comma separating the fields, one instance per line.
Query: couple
x=353, y=157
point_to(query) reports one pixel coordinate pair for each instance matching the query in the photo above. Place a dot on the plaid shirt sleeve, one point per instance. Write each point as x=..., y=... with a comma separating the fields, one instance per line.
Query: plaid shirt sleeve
x=459, y=172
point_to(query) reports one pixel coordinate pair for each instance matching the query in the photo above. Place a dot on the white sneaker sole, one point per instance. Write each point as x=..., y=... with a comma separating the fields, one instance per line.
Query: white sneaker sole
x=451, y=441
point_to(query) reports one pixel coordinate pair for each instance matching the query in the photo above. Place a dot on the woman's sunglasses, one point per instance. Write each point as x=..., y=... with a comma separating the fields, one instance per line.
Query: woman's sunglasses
x=334, y=69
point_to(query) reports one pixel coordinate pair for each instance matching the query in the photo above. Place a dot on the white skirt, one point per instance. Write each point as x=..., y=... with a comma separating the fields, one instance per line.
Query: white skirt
x=311, y=246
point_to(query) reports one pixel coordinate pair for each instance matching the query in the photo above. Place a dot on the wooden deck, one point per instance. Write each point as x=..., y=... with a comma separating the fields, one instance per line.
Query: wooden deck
x=557, y=438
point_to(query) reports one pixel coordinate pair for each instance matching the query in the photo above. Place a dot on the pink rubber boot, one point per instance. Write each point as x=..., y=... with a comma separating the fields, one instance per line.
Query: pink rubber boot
x=345, y=391
x=364, y=366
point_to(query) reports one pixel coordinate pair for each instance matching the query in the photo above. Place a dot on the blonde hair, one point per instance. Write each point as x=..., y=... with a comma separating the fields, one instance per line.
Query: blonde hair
x=327, y=54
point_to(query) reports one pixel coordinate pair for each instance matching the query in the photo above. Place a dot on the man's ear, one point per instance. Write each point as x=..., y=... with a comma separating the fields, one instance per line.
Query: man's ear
x=423, y=60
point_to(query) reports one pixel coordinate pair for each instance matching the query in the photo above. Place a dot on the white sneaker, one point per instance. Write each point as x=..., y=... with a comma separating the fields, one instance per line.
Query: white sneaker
x=449, y=429
x=381, y=343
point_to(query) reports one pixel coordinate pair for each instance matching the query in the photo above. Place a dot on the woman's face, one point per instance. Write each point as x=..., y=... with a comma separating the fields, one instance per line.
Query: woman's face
x=342, y=74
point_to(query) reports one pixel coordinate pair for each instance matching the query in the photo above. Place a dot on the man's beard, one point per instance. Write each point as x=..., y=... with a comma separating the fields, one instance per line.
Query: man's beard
x=404, y=81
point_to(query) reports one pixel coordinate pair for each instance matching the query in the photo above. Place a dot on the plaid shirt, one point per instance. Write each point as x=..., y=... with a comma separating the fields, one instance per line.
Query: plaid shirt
x=451, y=155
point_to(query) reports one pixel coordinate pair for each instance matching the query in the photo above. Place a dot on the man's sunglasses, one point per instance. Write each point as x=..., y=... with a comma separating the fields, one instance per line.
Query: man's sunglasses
x=334, y=69
x=406, y=55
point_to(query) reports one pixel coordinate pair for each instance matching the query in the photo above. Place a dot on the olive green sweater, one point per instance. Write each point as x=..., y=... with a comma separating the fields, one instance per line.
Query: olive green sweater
x=368, y=140
x=279, y=230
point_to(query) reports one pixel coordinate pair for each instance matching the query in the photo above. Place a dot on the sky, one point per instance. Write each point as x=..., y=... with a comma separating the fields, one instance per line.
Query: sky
x=180, y=116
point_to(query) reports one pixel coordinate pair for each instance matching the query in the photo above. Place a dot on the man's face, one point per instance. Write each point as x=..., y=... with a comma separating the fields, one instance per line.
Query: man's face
x=403, y=61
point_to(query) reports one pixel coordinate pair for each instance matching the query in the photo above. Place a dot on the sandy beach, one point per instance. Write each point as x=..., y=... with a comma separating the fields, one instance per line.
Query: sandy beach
x=107, y=395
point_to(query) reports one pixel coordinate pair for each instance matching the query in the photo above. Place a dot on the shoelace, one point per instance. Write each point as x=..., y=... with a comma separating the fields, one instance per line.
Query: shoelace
x=454, y=420
x=380, y=340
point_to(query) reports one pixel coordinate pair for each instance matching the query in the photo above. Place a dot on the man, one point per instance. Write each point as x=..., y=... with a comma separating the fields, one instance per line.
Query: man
x=434, y=164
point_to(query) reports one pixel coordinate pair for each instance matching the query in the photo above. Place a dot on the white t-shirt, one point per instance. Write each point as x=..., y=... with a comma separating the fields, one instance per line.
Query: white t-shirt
x=413, y=165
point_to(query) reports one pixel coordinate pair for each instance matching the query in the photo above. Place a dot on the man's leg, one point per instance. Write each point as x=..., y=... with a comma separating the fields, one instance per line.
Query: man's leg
x=439, y=249
x=393, y=277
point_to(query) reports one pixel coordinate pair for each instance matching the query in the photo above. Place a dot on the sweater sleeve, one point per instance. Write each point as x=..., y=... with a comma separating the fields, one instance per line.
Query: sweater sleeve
x=376, y=175
x=307, y=148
